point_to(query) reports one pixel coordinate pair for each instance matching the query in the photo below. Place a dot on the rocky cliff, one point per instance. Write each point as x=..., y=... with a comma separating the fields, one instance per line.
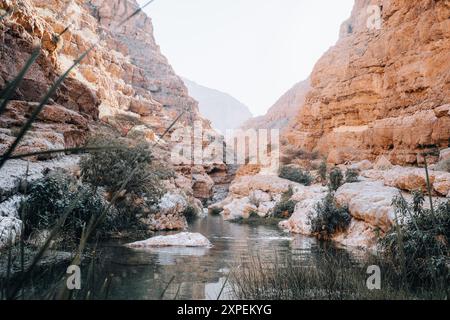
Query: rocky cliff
x=382, y=91
x=281, y=114
x=125, y=76
x=224, y=111
x=124, y=88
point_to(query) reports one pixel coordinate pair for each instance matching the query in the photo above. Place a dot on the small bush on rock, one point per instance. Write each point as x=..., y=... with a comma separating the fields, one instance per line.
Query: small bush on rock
x=49, y=199
x=286, y=207
x=322, y=172
x=296, y=175
x=190, y=212
x=328, y=218
x=215, y=211
x=336, y=179
x=123, y=163
x=351, y=176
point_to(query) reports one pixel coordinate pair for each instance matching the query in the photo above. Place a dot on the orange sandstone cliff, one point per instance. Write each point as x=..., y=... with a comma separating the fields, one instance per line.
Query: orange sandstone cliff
x=382, y=91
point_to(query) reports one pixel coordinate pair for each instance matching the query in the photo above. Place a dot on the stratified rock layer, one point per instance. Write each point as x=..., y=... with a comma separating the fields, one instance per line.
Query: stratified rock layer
x=382, y=91
x=124, y=74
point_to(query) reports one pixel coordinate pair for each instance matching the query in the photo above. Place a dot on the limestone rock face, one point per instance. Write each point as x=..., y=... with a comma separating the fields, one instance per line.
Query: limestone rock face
x=243, y=186
x=253, y=194
x=307, y=198
x=169, y=214
x=360, y=234
x=370, y=202
x=444, y=155
x=412, y=179
x=125, y=74
x=239, y=209
x=183, y=239
x=10, y=231
x=382, y=91
x=202, y=186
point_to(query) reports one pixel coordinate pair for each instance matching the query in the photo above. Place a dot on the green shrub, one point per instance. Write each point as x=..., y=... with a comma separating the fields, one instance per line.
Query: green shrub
x=351, y=176
x=190, y=212
x=50, y=197
x=286, y=207
x=322, y=172
x=336, y=179
x=418, y=246
x=215, y=211
x=328, y=218
x=110, y=168
x=296, y=175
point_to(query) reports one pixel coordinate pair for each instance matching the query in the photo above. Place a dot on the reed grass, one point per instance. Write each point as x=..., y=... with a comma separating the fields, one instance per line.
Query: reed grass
x=330, y=276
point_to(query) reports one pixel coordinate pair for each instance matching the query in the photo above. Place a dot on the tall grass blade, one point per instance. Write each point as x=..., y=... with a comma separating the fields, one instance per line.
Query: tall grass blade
x=66, y=151
x=166, y=288
x=178, y=291
x=429, y=188
x=223, y=286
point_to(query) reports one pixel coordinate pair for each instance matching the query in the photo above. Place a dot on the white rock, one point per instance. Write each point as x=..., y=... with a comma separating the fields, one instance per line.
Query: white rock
x=10, y=231
x=444, y=155
x=359, y=234
x=260, y=196
x=15, y=170
x=370, y=202
x=10, y=207
x=382, y=163
x=220, y=205
x=184, y=239
x=308, y=198
x=172, y=203
x=239, y=209
x=441, y=183
x=265, y=208
x=362, y=166
x=411, y=179
x=243, y=186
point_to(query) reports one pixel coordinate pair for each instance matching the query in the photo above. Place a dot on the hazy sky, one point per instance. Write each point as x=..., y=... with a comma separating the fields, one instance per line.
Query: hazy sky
x=254, y=50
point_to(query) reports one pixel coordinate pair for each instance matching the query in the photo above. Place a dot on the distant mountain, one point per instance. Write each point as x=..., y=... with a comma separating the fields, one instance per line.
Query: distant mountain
x=284, y=111
x=224, y=111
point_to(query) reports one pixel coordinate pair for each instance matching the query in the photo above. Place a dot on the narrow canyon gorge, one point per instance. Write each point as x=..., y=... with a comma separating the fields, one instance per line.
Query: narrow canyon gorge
x=371, y=124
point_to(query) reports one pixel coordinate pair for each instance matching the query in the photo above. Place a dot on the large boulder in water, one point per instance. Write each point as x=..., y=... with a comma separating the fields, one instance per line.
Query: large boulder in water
x=183, y=239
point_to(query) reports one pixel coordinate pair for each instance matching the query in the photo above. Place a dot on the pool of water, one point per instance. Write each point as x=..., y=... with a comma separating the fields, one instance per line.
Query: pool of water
x=197, y=273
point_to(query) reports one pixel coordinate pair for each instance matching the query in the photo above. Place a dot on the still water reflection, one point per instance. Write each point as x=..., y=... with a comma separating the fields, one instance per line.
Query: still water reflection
x=197, y=273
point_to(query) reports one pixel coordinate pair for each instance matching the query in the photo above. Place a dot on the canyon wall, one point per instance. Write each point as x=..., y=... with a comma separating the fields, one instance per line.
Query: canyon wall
x=382, y=91
x=125, y=76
